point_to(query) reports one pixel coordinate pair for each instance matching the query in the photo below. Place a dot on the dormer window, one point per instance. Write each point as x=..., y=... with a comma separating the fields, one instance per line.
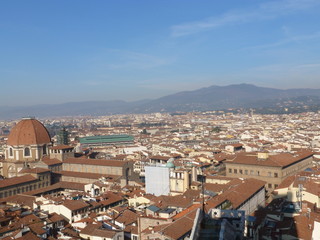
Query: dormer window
x=27, y=152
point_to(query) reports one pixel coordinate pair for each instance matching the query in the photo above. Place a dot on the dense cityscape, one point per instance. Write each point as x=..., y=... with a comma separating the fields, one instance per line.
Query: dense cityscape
x=200, y=175
x=160, y=120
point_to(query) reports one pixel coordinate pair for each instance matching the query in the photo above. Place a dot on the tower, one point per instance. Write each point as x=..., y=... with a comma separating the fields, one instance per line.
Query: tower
x=62, y=137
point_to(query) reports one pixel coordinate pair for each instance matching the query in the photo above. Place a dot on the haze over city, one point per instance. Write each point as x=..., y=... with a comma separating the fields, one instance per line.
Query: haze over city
x=167, y=120
x=68, y=51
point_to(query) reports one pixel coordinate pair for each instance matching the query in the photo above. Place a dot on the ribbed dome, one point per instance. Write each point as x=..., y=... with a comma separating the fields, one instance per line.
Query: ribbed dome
x=27, y=132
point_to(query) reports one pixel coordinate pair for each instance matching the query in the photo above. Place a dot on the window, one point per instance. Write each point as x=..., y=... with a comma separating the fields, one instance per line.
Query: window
x=44, y=149
x=275, y=174
x=230, y=170
x=246, y=172
x=251, y=172
x=269, y=174
x=10, y=152
x=27, y=152
x=276, y=185
x=240, y=171
x=258, y=173
x=269, y=185
x=235, y=171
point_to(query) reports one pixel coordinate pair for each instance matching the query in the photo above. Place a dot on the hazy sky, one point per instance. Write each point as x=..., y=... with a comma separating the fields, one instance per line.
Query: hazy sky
x=72, y=50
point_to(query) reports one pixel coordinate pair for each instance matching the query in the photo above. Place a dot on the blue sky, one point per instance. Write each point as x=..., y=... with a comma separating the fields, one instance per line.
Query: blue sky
x=65, y=51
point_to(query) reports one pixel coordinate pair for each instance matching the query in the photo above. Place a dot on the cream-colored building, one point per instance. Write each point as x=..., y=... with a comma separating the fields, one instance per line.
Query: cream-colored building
x=299, y=188
x=90, y=170
x=180, y=181
x=29, y=180
x=271, y=168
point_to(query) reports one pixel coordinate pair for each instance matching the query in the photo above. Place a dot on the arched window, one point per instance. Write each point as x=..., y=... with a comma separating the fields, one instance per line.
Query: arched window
x=10, y=152
x=27, y=152
x=44, y=149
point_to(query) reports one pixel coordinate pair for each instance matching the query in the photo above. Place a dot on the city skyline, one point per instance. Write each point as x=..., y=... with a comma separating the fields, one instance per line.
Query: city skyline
x=56, y=52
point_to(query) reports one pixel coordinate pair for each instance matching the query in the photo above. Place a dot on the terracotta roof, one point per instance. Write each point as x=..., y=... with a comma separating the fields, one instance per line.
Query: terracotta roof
x=16, y=180
x=310, y=185
x=61, y=147
x=21, y=199
x=214, y=187
x=237, y=193
x=38, y=228
x=177, y=229
x=127, y=217
x=72, y=185
x=286, y=182
x=186, y=211
x=75, y=204
x=172, y=201
x=51, y=161
x=279, y=160
x=29, y=219
x=29, y=236
x=240, y=193
x=86, y=161
x=160, y=158
x=34, y=170
x=28, y=132
x=54, y=217
x=110, y=178
x=304, y=225
x=62, y=185
x=70, y=232
x=96, y=230
x=110, y=198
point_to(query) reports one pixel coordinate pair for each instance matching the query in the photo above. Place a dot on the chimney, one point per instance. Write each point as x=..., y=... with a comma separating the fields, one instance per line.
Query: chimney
x=263, y=156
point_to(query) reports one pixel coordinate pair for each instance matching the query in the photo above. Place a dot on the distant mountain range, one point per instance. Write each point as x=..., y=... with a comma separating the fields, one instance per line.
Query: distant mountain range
x=204, y=99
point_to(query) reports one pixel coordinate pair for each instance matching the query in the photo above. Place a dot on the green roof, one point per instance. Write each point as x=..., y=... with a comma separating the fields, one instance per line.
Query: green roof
x=106, y=139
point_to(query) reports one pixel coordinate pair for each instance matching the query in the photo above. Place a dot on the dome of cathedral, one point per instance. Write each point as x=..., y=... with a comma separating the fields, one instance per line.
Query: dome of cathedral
x=28, y=131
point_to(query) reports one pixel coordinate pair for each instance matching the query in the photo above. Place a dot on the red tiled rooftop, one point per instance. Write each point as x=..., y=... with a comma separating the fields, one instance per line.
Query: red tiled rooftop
x=16, y=180
x=279, y=160
x=61, y=147
x=86, y=161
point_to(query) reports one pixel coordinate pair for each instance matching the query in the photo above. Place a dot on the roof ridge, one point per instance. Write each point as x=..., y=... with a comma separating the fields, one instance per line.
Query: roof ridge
x=34, y=130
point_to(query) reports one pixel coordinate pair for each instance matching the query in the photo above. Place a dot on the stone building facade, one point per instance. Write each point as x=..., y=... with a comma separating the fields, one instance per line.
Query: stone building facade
x=272, y=169
x=30, y=180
